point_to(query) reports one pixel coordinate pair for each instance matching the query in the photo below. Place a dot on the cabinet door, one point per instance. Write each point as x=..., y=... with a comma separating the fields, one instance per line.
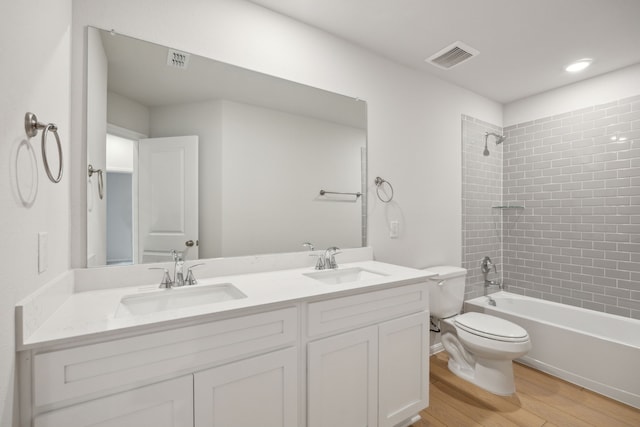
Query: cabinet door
x=260, y=391
x=343, y=380
x=404, y=368
x=165, y=404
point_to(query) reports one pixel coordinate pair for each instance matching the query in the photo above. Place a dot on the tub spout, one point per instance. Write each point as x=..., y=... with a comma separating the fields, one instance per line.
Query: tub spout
x=497, y=283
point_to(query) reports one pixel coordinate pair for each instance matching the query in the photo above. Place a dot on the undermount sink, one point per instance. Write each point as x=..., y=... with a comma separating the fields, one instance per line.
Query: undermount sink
x=342, y=276
x=169, y=299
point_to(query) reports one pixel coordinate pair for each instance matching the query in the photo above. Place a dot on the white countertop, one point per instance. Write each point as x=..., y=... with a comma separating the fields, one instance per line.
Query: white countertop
x=90, y=315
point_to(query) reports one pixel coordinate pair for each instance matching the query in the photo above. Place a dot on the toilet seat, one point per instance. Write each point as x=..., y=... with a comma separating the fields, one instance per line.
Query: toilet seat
x=491, y=327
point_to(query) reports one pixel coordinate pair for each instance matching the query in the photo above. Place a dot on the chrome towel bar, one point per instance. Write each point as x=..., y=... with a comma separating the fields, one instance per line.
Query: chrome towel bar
x=31, y=127
x=379, y=182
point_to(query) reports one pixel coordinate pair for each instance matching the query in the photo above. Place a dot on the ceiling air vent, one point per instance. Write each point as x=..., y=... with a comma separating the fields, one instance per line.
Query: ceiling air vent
x=177, y=59
x=452, y=55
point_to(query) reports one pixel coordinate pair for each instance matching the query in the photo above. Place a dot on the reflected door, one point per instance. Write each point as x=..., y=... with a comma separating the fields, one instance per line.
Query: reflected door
x=168, y=198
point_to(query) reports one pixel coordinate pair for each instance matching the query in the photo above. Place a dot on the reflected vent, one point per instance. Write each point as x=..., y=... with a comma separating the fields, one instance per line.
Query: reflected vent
x=177, y=59
x=452, y=55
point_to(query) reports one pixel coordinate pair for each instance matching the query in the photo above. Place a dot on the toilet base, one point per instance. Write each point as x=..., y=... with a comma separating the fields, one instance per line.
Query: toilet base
x=495, y=376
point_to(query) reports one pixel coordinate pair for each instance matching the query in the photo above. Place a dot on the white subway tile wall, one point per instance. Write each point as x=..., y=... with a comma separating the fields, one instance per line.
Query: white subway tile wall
x=577, y=239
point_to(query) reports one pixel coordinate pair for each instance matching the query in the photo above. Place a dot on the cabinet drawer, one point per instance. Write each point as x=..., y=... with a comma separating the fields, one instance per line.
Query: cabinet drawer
x=345, y=313
x=164, y=404
x=75, y=372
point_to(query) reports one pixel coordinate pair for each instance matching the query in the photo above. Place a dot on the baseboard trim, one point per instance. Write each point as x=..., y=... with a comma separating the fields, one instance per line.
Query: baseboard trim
x=435, y=348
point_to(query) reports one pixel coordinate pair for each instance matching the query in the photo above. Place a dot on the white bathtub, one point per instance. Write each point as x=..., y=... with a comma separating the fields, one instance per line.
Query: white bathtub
x=598, y=351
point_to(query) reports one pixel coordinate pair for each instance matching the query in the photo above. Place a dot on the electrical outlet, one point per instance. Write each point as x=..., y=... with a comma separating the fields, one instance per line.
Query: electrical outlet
x=43, y=238
x=394, y=229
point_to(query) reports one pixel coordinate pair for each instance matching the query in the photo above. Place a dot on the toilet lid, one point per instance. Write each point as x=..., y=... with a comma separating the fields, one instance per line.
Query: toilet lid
x=490, y=327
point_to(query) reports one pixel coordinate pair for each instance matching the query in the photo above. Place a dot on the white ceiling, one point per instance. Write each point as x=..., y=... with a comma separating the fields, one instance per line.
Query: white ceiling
x=524, y=44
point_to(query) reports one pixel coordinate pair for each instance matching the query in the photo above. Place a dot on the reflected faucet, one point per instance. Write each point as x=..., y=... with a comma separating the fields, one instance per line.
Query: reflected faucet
x=178, y=264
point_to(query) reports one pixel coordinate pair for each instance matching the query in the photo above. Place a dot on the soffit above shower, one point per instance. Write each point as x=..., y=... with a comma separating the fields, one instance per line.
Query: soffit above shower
x=525, y=45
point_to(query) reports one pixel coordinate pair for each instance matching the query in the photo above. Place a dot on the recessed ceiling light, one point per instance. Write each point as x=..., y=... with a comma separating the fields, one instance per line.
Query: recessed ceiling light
x=579, y=65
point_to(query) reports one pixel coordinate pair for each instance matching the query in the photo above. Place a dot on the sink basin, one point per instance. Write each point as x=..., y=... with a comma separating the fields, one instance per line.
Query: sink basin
x=169, y=299
x=342, y=276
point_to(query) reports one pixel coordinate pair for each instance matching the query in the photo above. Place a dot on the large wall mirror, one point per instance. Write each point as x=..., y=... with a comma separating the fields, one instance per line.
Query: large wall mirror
x=211, y=160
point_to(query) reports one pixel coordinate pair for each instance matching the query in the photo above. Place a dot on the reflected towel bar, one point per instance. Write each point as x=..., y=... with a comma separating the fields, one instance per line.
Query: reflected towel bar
x=323, y=192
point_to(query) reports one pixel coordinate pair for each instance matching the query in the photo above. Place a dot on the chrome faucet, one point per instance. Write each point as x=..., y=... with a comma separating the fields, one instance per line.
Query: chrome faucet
x=179, y=278
x=330, y=257
x=326, y=260
x=486, y=266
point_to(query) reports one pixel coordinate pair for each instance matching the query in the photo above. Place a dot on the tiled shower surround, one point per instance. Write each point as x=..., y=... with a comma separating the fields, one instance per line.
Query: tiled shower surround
x=574, y=233
x=481, y=190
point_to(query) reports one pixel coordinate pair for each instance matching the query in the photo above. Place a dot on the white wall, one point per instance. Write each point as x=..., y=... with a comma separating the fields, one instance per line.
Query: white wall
x=35, y=41
x=597, y=90
x=274, y=165
x=414, y=120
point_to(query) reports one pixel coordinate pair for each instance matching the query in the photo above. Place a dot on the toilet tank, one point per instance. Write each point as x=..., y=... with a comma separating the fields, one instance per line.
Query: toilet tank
x=446, y=290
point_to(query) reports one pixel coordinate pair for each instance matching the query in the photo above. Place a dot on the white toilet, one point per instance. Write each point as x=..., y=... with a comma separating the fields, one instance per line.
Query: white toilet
x=481, y=347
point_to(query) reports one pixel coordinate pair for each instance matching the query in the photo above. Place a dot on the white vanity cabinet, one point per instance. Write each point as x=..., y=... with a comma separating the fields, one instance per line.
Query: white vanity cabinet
x=371, y=376
x=357, y=357
x=149, y=380
x=260, y=391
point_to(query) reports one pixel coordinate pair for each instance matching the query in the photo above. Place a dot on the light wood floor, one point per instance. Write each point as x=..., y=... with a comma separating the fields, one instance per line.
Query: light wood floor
x=540, y=400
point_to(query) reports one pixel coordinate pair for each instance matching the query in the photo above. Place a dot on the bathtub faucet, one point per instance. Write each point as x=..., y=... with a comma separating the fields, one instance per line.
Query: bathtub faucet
x=486, y=266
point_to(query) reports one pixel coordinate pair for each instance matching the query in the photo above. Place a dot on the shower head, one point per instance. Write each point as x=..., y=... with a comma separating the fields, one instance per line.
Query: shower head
x=486, y=150
x=499, y=140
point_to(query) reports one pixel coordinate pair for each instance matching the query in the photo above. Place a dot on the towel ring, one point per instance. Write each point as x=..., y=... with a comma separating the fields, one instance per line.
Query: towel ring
x=379, y=183
x=32, y=126
x=100, y=180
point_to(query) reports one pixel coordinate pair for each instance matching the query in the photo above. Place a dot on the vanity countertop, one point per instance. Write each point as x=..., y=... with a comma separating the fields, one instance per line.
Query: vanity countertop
x=91, y=315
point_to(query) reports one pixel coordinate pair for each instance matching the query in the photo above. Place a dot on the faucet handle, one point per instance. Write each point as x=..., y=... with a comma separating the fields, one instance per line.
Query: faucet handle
x=166, y=278
x=486, y=265
x=191, y=279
